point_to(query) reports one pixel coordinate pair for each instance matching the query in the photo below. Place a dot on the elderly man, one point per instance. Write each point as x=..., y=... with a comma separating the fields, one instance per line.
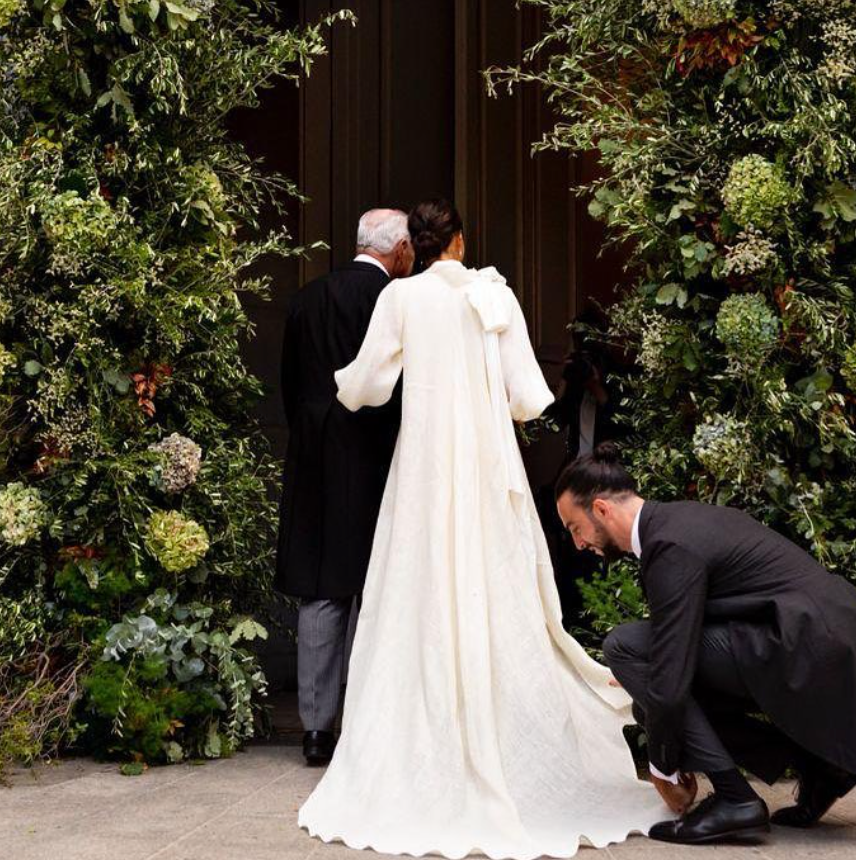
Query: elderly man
x=336, y=465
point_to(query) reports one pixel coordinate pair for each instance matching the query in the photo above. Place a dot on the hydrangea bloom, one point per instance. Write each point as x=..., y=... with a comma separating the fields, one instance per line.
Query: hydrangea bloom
x=848, y=368
x=23, y=514
x=177, y=542
x=756, y=192
x=724, y=447
x=747, y=326
x=181, y=460
x=704, y=13
x=76, y=228
x=8, y=10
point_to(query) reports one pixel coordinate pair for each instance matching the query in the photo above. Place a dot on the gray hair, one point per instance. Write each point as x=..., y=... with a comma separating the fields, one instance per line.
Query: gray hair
x=381, y=230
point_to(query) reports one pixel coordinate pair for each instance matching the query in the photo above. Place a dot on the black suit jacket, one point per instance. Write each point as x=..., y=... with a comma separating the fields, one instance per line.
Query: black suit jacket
x=337, y=461
x=792, y=626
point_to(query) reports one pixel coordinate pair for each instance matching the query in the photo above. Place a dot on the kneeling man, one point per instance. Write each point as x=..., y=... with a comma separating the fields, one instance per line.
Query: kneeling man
x=748, y=659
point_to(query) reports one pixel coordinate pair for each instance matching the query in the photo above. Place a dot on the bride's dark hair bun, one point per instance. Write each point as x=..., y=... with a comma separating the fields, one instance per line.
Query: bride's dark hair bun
x=606, y=452
x=433, y=224
x=599, y=474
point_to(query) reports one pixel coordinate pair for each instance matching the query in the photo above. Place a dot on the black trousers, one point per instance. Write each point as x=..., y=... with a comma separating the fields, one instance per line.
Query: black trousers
x=722, y=725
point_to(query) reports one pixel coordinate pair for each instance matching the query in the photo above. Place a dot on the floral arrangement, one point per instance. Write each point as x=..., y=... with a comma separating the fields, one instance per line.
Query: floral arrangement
x=726, y=131
x=129, y=229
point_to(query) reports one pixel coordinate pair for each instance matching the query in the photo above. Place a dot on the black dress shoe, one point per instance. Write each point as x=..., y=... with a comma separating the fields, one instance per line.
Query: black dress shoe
x=819, y=787
x=716, y=820
x=318, y=747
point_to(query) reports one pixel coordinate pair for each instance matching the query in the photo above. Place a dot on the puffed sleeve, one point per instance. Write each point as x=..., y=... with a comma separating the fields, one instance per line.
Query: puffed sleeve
x=370, y=378
x=528, y=393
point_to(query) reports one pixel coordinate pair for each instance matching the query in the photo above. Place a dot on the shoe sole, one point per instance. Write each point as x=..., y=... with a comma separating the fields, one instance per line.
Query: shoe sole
x=746, y=835
x=317, y=761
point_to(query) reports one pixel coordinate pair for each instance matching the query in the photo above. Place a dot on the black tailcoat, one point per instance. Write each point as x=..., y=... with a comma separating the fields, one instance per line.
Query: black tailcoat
x=792, y=626
x=337, y=461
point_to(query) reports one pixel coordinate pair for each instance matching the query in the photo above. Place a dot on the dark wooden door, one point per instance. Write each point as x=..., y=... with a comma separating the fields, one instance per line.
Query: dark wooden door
x=397, y=111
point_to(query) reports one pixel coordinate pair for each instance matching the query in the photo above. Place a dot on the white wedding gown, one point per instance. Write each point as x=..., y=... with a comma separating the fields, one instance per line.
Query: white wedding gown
x=472, y=721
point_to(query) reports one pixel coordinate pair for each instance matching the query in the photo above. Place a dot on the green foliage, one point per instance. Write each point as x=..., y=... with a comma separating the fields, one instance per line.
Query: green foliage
x=727, y=131
x=613, y=597
x=129, y=226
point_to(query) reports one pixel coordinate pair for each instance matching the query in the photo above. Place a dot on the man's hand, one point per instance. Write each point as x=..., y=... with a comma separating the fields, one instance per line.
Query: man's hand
x=679, y=798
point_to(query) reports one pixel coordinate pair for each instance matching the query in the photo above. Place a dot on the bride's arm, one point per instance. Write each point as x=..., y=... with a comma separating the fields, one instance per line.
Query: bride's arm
x=370, y=378
x=528, y=393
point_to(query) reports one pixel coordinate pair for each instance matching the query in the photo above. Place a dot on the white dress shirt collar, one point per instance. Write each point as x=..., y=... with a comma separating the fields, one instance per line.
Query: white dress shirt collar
x=367, y=258
x=635, y=543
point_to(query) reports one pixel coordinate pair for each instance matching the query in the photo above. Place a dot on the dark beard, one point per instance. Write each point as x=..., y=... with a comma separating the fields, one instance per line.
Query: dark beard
x=610, y=550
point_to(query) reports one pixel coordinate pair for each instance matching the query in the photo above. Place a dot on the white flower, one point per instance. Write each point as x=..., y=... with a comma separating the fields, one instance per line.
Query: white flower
x=23, y=514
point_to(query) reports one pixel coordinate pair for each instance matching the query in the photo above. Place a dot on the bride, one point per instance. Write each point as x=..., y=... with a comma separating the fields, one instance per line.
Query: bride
x=472, y=721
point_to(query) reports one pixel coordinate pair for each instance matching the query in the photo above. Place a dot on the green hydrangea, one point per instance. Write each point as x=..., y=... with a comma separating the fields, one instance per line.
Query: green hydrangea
x=23, y=514
x=705, y=13
x=77, y=227
x=177, y=542
x=8, y=10
x=747, y=327
x=848, y=367
x=7, y=360
x=724, y=446
x=756, y=192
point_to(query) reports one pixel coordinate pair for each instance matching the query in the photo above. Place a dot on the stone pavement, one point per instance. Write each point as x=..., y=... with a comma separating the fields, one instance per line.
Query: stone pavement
x=245, y=808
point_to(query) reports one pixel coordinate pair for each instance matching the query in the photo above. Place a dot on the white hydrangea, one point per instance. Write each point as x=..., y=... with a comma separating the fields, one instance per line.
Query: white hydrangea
x=181, y=459
x=23, y=514
x=753, y=252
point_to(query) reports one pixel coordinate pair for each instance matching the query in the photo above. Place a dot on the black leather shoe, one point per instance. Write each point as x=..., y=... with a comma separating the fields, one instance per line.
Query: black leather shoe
x=819, y=787
x=318, y=747
x=716, y=820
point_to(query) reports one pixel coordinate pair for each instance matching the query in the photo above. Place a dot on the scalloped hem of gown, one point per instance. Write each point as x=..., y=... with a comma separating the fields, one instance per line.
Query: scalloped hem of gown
x=458, y=853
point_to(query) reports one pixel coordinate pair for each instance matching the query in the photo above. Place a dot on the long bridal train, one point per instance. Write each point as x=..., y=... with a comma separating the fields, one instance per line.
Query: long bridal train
x=472, y=721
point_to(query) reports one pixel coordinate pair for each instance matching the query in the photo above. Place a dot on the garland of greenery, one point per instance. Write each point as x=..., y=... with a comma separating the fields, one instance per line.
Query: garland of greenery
x=728, y=131
x=135, y=515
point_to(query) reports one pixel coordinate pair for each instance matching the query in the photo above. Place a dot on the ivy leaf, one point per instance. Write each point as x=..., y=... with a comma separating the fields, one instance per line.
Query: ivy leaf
x=154, y=9
x=33, y=367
